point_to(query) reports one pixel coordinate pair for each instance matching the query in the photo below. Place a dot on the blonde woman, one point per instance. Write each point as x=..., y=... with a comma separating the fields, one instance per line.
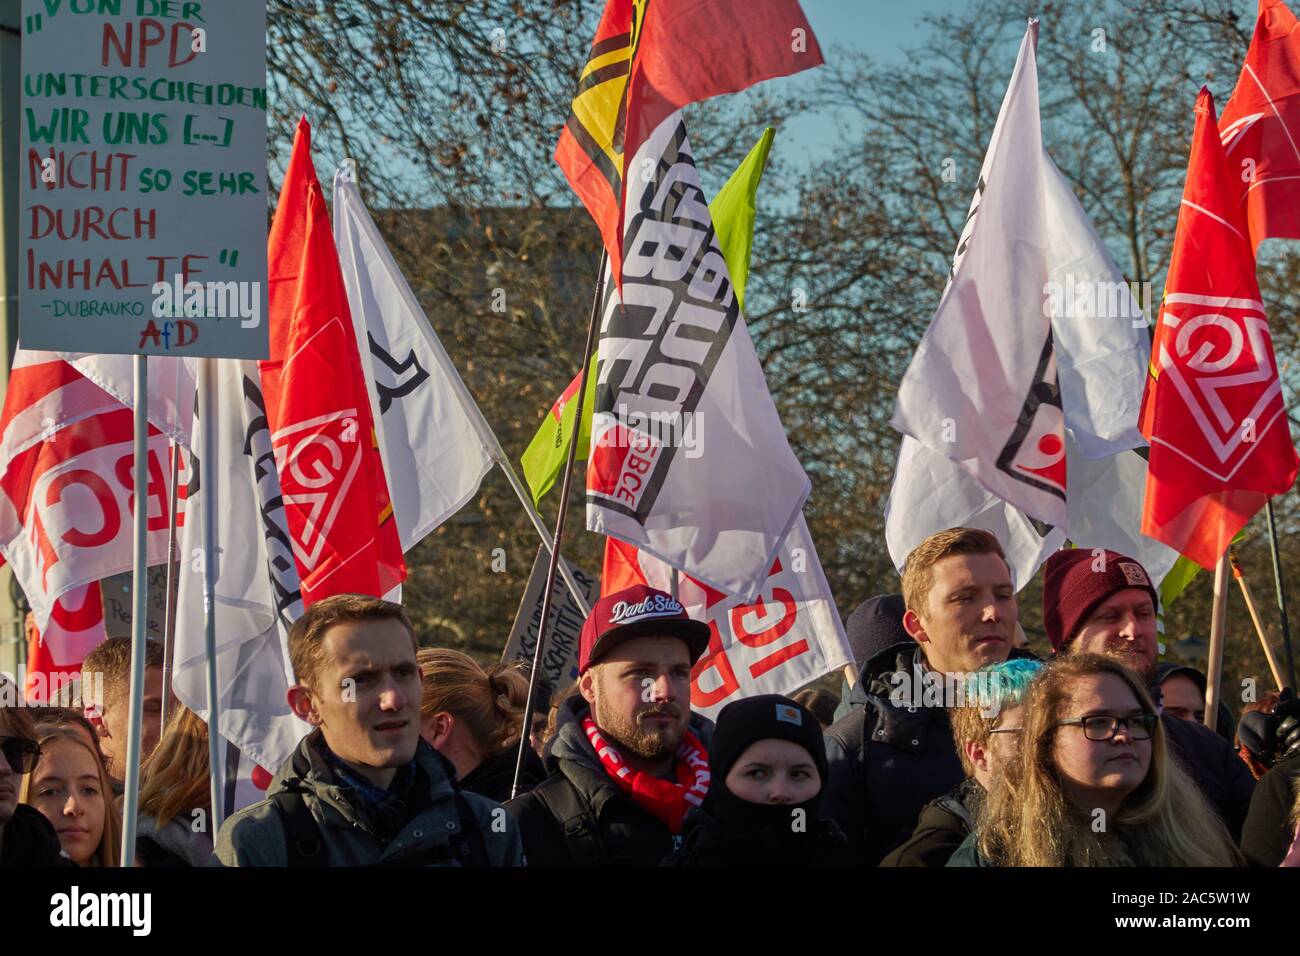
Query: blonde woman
x=1093, y=784
x=474, y=717
x=73, y=790
x=174, y=824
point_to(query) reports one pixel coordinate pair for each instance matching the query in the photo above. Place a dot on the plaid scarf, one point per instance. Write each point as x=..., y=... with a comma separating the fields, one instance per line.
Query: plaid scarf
x=665, y=799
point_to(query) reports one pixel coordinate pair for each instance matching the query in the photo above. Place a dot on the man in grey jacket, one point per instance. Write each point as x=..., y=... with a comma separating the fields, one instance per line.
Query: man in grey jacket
x=362, y=788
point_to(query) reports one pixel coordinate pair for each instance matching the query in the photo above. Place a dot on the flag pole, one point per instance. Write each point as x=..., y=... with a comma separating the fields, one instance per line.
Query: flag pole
x=211, y=569
x=139, y=611
x=169, y=618
x=1254, y=617
x=1281, y=594
x=1215, y=675
x=553, y=564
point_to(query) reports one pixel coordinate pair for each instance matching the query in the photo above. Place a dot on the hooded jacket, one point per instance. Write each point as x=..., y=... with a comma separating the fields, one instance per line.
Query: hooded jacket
x=578, y=816
x=493, y=777
x=888, y=760
x=942, y=827
x=256, y=835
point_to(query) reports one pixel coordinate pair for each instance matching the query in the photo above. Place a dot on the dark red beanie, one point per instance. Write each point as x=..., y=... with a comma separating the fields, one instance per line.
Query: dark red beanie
x=1076, y=580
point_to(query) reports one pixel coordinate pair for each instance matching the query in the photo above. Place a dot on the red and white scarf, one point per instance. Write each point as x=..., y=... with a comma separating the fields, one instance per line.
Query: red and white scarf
x=666, y=799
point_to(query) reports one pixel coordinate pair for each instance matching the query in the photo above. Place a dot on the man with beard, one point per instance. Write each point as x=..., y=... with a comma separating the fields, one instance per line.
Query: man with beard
x=628, y=758
x=1101, y=602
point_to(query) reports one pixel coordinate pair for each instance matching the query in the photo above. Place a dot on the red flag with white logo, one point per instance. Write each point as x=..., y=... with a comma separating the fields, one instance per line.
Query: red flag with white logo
x=1213, y=409
x=1260, y=127
x=322, y=432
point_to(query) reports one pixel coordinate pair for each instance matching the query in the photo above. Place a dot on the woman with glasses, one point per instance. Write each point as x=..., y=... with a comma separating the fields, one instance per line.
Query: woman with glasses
x=26, y=837
x=1093, y=783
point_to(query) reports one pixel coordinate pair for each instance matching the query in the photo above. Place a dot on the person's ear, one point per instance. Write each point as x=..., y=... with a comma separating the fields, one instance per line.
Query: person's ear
x=915, y=627
x=303, y=704
x=442, y=724
x=977, y=755
x=587, y=686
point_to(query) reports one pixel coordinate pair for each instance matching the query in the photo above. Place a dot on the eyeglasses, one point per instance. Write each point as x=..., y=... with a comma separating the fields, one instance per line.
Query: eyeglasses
x=20, y=753
x=1105, y=727
x=1006, y=730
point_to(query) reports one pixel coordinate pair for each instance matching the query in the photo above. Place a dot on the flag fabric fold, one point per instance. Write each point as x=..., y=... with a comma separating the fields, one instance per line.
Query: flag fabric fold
x=1213, y=408
x=689, y=461
x=435, y=444
x=326, y=448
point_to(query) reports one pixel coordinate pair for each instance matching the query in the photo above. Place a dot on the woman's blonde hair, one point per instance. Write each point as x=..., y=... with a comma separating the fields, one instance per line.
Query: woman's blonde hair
x=106, y=854
x=1028, y=821
x=175, y=777
x=489, y=703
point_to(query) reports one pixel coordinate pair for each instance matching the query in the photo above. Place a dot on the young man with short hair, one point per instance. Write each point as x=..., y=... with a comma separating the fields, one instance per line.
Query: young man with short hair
x=106, y=674
x=893, y=754
x=1103, y=602
x=363, y=788
x=628, y=758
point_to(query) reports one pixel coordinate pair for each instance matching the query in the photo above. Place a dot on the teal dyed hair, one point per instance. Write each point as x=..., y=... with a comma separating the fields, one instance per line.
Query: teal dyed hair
x=1001, y=685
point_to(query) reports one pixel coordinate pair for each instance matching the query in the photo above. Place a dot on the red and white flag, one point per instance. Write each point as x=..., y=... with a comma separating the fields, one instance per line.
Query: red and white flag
x=1213, y=408
x=1260, y=128
x=54, y=655
x=326, y=449
x=790, y=635
x=67, y=482
x=689, y=461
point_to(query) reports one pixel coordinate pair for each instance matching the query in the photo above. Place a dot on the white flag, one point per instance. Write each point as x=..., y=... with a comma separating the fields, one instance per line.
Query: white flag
x=689, y=460
x=256, y=581
x=789, y=635
x=171, y=387
x=434, y=441
x=1096, y=340
x=982, y=387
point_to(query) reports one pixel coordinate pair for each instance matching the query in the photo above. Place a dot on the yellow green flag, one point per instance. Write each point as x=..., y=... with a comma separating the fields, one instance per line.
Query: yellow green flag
x=732, y=211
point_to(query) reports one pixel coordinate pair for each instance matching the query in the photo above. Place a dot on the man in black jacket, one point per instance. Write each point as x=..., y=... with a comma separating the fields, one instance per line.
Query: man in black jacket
x=1102, y=602
x=628, y=758
x=894, y=753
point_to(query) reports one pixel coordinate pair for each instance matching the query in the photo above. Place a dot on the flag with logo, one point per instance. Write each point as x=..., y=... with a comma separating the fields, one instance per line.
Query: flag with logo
x=1260, y=127
x=1080, y=367
x=67, y=482
x=650, y=58
x=733, y=210
x=788, y=635
x=1213, y=407
x=681, y=404
x=336, y=499
x=256, y=588
x=54, y=655
x=436, y=445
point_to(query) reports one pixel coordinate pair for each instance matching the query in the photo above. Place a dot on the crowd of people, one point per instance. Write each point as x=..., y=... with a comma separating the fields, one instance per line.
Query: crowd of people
x=954, y=746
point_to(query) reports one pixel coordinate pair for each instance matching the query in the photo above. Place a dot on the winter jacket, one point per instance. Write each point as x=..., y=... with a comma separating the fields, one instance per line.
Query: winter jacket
x=578, y=816
x=706, y=843
x=943, y=826
x=28, y=839
x=968, y=854
x=1223, y=777
x=494, y=776
x=1269, y=831
x=888, y=760
x=173, y=844
x=432, y=835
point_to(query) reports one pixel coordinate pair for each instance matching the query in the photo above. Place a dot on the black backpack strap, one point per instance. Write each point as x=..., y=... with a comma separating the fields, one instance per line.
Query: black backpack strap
x=582, y=837
x=302, y=840
x=469, y=844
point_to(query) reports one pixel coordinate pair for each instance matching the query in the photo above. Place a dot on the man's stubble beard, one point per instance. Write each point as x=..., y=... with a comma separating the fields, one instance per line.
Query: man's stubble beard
x=629, y=737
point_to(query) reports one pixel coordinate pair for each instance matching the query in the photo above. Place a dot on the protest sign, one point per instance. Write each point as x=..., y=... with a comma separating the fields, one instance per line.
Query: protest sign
x=560, y=658
x=118, y=595
x=143, y=158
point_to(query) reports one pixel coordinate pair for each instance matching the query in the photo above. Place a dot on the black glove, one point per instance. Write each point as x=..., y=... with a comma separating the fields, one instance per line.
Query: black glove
x=1286, y=734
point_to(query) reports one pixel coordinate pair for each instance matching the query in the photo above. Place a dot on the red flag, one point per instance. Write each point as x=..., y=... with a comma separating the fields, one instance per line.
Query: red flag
x=322, y=432
x=1213, y=409
x=649, y=59
x=1260, y=127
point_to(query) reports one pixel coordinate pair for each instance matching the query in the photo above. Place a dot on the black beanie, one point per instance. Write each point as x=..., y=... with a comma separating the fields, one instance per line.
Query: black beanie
x=751, y=719
x=875, y=624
